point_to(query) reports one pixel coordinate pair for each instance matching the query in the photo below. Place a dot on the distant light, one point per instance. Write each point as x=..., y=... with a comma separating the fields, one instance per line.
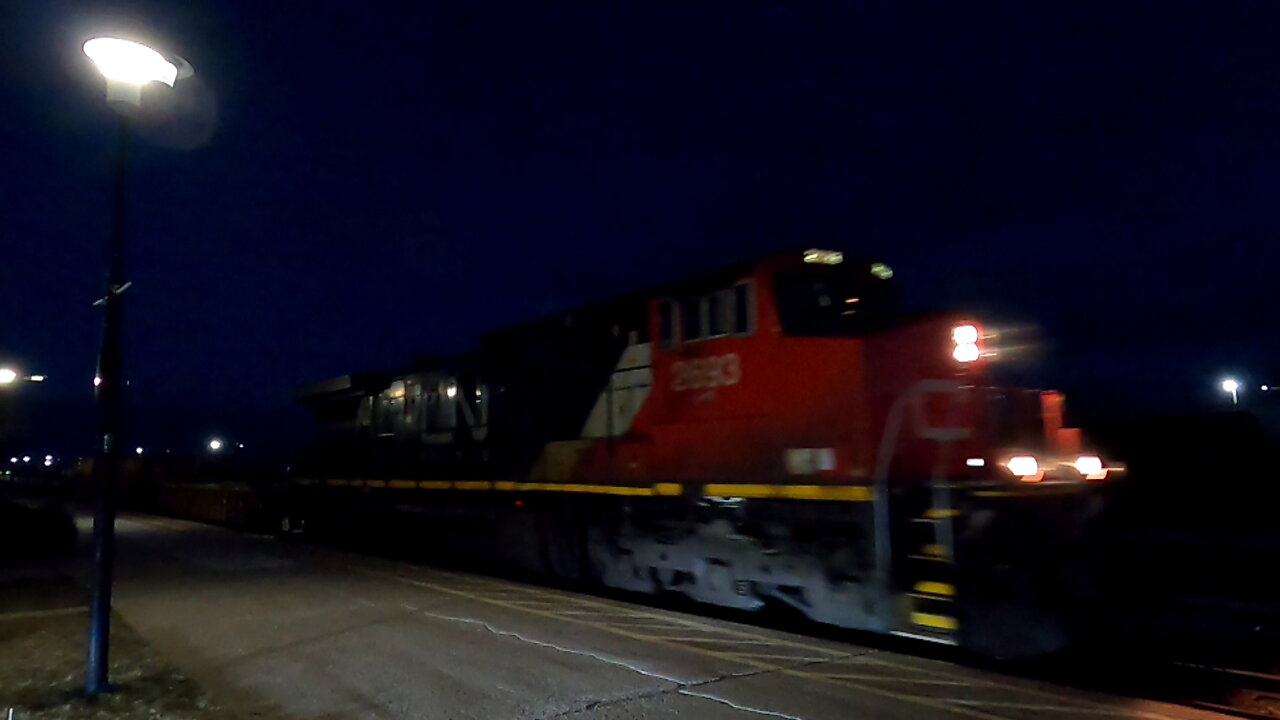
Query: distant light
x=823, y=257
x=48, y=462
x=966, y=353
x=1023, y=466
x=26, y=458
x=7, y=375
x=240, y=445
x=451, y=390
x=130, y=62
x=138, y=450
x=1232, y=387
x=13, y=459
x=1265, y=388
x=48, y=457
x=97, y=380
x=882, y=271
x=36, y=378
x=215, y=444
x=975, y=462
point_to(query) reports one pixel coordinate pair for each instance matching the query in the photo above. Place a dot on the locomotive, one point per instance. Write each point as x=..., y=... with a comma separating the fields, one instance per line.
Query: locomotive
x=772, y=432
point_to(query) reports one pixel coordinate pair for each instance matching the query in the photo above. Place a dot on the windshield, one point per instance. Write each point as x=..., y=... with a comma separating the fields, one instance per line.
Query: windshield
x=833, y=301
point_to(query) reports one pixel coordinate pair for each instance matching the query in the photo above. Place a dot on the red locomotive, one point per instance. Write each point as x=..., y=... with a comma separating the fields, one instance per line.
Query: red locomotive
x=770, y=432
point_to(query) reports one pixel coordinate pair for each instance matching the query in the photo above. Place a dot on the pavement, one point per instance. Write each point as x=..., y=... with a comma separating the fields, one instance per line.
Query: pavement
x=277, y=629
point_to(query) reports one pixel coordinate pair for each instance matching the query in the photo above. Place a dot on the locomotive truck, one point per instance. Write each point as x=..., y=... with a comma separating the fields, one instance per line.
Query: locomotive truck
x=773, y=432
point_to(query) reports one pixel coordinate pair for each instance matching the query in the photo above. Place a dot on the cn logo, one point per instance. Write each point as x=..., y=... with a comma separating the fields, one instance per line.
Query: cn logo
x=708, y=372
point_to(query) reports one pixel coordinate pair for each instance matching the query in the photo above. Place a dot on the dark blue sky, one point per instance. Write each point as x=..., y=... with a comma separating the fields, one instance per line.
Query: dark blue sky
x=346, y=184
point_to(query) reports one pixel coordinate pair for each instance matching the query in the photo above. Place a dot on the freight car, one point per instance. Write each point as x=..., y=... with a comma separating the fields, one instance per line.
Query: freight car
x=771, y=432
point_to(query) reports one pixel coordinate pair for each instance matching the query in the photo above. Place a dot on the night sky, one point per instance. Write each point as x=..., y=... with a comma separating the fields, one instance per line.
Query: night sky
x=346, y=184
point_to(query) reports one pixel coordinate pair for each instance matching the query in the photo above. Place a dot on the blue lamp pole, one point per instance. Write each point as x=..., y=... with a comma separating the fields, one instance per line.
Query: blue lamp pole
x=127, y=66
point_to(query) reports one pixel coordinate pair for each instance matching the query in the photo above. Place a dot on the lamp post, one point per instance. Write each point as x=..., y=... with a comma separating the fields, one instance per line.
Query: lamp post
x=127, y=66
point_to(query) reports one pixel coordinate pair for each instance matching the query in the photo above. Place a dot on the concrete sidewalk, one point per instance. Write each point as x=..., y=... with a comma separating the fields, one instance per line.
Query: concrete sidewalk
x=287, y=630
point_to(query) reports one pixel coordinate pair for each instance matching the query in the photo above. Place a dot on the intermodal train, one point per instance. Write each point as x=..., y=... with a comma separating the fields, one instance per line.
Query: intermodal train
x=772, y=432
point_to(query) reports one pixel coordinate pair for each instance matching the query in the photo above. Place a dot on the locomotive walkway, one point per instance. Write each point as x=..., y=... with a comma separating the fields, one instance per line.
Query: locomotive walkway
x=285, y=630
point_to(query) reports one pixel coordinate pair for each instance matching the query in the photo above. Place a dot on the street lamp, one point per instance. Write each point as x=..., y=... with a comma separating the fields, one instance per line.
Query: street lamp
x=9, y=376
x=1232, y=386
x=127, y=67
x=215, y=445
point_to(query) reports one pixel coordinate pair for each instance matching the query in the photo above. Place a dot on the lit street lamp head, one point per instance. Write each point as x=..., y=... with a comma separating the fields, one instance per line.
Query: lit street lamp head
x=128, y=66
x=7, y=376
x=1231, y=386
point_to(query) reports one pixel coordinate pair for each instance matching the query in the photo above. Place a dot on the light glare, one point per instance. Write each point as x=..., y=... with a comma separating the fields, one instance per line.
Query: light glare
x=7, y=375
x=1230, y=385
x=130, y=62
x=975, y=462
x=215, y=444
x=966, y=353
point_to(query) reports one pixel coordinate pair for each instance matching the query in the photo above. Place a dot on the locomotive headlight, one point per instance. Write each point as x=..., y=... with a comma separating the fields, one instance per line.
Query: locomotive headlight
x=1090, y=466
x=966, y=339
x=966, y=353
x=965, y=335
x=1024, y=467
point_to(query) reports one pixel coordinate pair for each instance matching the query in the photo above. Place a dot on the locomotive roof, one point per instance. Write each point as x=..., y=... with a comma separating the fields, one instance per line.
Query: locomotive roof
x=345, y=385
x=625, y=308
x=700, y=281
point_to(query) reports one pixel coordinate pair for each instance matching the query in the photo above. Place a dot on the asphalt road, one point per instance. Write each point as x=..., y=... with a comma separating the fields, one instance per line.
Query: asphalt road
x=276, y=629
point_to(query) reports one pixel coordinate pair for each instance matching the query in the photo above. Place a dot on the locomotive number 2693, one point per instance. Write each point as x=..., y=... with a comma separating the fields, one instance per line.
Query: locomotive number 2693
x=708, y=372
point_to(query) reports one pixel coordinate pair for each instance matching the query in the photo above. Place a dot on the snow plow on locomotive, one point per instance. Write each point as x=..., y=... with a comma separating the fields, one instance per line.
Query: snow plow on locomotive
x=772, y=432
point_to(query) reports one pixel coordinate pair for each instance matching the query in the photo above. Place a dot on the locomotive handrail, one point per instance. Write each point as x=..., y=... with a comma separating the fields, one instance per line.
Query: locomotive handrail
x=882, y=518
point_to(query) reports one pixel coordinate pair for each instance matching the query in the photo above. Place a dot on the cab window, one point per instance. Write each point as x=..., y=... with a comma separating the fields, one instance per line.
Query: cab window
x=833, y=301
x=722, y=313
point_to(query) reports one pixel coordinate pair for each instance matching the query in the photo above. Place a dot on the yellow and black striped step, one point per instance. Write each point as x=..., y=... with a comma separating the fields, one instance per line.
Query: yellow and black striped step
x=935, y=622
x=932, y=590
